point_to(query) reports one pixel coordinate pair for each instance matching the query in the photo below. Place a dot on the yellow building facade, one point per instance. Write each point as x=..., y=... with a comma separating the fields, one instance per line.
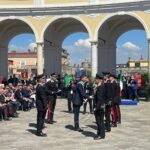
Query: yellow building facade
x=51, y=21
x=19, y=61
x=138, y=63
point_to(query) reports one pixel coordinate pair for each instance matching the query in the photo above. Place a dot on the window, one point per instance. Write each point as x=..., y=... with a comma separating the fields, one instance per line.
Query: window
x=22, y=64
x=137, y=64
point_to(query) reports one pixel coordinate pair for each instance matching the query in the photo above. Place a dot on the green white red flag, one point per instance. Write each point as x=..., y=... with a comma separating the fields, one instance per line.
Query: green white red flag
x=121, y=83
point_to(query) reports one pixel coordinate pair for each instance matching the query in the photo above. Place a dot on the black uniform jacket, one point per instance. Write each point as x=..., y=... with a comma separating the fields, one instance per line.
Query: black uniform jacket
x=110, y=91
x=41, y=98
x=51, y=89
x=99, y=98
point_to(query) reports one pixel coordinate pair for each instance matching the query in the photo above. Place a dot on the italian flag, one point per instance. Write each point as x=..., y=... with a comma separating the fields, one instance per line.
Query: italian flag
x=121, y=83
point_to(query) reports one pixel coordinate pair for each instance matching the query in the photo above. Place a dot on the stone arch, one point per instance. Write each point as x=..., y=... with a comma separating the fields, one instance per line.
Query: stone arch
x=23, y=20
x=107, y=33
x=10, y=29
x=61, y=17
x=134, y=15
x=55, y=32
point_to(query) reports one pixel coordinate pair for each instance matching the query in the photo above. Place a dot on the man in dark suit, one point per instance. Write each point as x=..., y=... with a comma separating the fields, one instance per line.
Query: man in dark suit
x=78, y=97
x=41, y=104
x=99, y=106
x=18, y=96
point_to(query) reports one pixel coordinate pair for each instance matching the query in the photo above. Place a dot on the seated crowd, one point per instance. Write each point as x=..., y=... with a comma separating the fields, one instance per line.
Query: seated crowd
x=14, y=98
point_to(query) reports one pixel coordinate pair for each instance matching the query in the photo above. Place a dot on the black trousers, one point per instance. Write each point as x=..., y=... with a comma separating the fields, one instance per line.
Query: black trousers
x=70, y=98
x=90, y=106
x=76, y=110
x=118, y=113
x=107, y=117
x=40, y=120
x=99, y=116
x=52, y=105
x=4, y=112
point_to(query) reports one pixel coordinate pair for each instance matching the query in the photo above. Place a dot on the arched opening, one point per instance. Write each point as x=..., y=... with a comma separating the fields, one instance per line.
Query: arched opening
x=22, y=55
x=132, y=52
x=10, y=28
x=54, y=38
x=78, y=48
x=108, y=35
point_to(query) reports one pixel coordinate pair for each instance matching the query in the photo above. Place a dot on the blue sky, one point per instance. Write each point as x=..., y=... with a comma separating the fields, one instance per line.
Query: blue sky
x=131, y=44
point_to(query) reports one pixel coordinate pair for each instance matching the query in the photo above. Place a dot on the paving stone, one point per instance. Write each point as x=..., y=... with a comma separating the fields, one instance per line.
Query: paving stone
x=132, y=134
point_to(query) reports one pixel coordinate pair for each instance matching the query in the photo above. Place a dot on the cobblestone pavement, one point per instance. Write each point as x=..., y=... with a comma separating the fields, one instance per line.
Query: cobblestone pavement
x=132, y=134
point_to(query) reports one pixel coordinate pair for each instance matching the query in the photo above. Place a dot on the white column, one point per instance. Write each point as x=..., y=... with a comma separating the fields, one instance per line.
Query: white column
x=94, y=58
x=4, y=62
x=40, y=58
x=93, y=1
x=149, y=56
x=38, y=2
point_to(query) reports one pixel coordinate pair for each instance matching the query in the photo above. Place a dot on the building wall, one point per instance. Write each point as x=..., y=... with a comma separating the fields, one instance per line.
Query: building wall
x=64, y=1
x=30, y=63
x=144, y=64
x=15, y=2
x=91, y=23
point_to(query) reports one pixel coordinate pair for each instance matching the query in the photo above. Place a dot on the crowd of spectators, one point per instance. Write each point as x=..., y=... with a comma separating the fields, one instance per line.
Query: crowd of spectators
x=16, y=95
x=130, y=88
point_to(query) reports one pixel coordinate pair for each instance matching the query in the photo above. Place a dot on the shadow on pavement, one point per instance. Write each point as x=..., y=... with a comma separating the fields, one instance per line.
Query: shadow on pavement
x=32, y=125
x=88, y=134
x=65, y=111
x=70, y=127
x=32, y=131
x=92, y=126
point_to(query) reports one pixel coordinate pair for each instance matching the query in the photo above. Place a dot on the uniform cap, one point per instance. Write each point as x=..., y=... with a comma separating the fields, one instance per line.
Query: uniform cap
x=99, y=77
x=83, y=75
x=112, y=75
x=53, y=74
x=106, y=73
x=40, y=76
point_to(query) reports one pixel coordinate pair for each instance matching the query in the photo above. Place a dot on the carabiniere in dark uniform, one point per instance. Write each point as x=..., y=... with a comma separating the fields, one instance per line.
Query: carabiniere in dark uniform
x=41, y=104
x=99, y=106
x=52, y=91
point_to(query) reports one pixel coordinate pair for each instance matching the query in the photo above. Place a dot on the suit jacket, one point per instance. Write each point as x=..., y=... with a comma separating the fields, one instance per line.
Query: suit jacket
x=18, y=96
x=79, y=94
x=51, y=89
x=41, y=98
x=99, y=98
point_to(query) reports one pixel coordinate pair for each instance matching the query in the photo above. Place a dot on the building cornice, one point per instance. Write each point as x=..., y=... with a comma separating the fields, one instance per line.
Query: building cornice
x=143, y=5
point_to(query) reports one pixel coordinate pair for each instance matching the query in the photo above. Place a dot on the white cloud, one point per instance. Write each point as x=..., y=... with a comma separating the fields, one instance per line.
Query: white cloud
x=83, y=43
x=16, y=48
x=30, y=40
x=32, y=46
x=79, y=51
x=131, y=46
x=127, y=50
